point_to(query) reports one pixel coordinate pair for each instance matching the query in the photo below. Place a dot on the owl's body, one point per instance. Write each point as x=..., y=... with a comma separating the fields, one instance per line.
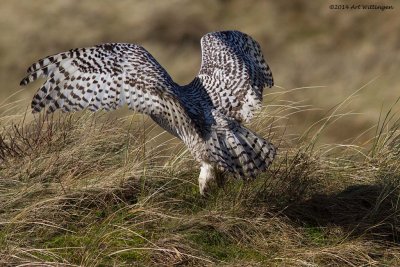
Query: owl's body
x=205, y=114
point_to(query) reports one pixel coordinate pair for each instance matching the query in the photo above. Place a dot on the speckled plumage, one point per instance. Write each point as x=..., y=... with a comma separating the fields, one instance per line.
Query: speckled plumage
x=205, y=114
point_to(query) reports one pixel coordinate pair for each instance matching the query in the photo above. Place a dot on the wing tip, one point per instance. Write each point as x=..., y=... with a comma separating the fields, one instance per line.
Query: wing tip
x=24, y=81
x=30, y=78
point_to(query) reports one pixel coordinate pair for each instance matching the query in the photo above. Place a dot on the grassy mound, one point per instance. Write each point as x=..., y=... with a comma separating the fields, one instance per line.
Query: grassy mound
x=86, y=190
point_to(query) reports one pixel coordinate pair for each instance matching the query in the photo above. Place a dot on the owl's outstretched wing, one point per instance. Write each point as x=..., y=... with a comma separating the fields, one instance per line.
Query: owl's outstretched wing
x=108, y=76
x=234, y=73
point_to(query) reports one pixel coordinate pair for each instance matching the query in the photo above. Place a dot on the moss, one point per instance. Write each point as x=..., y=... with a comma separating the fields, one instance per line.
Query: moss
x=223, y=248
x=85, y=245
x=316, y=236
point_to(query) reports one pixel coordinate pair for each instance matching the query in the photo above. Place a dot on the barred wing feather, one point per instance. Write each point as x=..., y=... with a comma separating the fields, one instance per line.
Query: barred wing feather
x=234, y=73
x=106, y=77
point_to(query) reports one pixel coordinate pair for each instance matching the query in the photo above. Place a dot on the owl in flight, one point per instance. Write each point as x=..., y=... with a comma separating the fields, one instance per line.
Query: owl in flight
x=205, y=114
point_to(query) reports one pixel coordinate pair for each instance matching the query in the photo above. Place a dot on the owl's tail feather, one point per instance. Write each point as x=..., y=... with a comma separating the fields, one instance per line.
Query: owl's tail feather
x=240, y=151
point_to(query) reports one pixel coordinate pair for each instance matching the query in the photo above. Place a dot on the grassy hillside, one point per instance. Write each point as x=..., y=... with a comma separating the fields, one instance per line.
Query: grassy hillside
x=89, y=190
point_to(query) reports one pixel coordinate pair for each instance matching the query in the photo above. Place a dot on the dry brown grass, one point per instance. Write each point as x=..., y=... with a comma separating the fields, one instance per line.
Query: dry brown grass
x=89, y=190
x=92, y=190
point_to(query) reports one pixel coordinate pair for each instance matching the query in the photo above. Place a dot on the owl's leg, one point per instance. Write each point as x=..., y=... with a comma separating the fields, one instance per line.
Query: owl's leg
x=220, y=178
x=207, y=173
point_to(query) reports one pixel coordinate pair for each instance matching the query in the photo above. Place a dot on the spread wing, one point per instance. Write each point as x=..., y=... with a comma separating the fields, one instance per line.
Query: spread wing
x=234, y=73
x=108, y=76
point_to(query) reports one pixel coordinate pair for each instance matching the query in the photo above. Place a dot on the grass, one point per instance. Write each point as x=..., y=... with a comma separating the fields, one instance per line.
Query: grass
x=89, y=190
x=316, y=46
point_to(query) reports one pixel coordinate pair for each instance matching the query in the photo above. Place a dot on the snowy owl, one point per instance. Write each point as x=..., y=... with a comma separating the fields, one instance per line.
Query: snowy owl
x=205, y=114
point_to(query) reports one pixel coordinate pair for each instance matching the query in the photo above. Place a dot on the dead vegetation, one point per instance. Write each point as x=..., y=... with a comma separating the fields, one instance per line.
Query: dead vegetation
x=87, y=190
x=91, y=190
